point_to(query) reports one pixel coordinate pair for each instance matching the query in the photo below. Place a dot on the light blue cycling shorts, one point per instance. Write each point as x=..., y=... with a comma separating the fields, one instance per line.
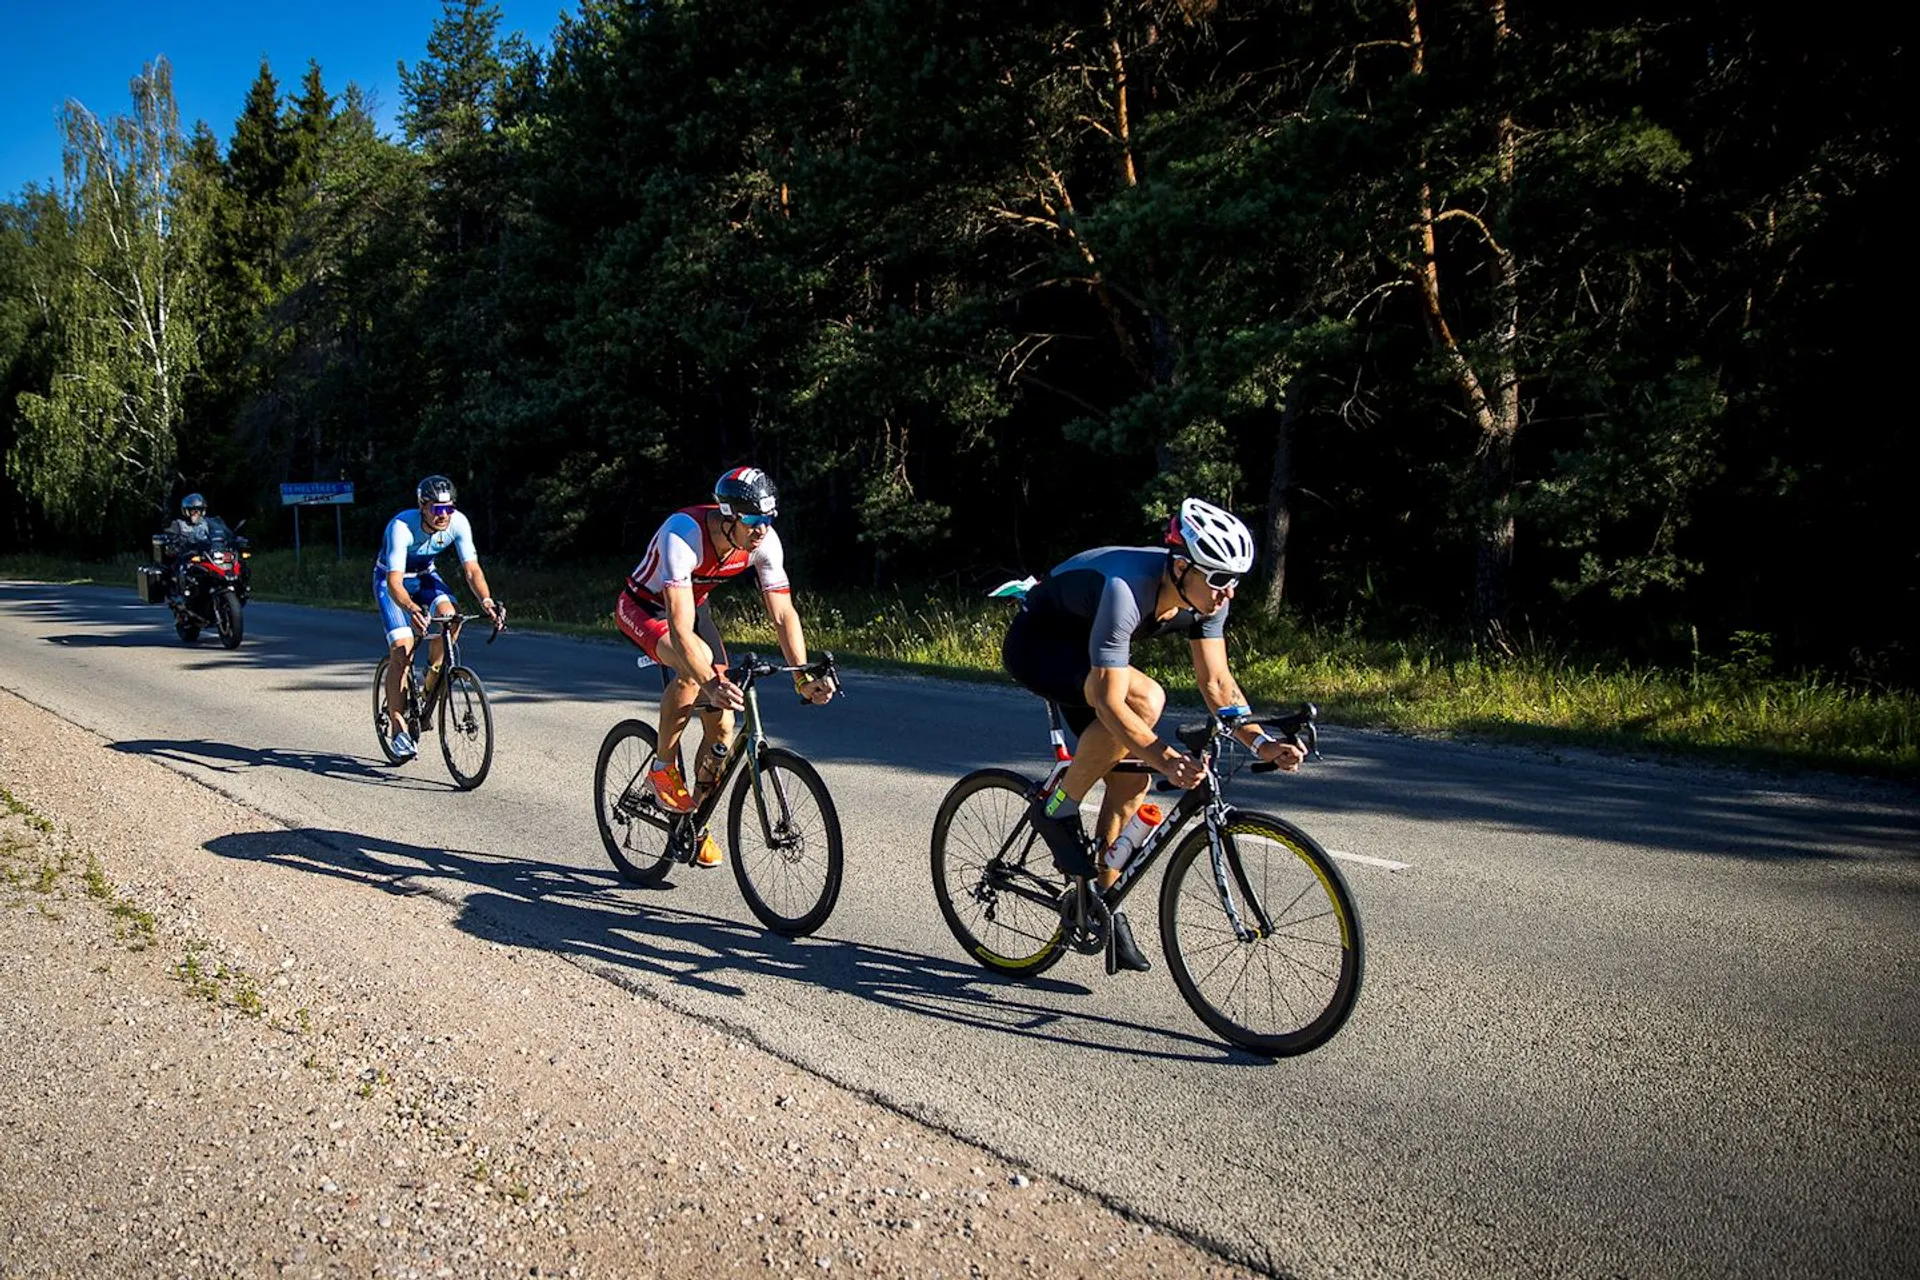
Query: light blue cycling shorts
x=425, y=588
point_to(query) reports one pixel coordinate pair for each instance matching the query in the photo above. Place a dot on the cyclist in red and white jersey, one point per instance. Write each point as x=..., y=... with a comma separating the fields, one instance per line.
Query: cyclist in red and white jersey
x=663, y=609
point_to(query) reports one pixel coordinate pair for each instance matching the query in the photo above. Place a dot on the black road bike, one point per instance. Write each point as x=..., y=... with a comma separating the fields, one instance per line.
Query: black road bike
x=1259, y=928
x=456, y=699
x=783, y=834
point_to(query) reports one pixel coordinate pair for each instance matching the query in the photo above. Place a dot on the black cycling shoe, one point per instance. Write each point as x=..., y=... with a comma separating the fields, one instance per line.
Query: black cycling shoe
x=1124, y=954
x=1066, y=839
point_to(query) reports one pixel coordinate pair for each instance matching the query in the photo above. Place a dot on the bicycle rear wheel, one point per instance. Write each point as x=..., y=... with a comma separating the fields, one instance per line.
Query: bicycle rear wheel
x=380, y=720
x=1281, y=987
x=787, y=854
x=466, y=727
x=994, y=878
x=634, y=828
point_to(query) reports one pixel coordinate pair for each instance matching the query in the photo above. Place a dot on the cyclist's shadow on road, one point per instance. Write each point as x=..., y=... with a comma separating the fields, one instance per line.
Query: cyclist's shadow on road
x=593, y=919
x=227, y=757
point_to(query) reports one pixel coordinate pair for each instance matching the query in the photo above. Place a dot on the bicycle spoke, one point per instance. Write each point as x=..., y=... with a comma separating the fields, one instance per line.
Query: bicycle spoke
x=1004, y=911
x=1284, y=991
x=634, y=831
x=787, y=852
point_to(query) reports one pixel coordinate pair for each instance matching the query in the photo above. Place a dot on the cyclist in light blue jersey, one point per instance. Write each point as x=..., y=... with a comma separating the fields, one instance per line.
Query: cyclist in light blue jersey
x=406, y=586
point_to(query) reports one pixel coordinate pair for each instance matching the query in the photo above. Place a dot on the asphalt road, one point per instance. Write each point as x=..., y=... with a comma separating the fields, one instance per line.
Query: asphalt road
x=1620, y=1019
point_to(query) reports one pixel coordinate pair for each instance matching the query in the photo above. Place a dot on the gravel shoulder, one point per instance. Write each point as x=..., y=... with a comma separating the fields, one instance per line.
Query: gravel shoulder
x=267, y=1069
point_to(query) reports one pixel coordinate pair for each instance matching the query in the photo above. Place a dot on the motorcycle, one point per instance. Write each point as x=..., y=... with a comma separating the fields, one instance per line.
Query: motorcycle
x=211, y=582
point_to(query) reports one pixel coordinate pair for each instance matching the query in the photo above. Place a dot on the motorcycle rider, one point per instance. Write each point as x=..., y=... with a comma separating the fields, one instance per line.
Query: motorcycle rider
x=186, y=533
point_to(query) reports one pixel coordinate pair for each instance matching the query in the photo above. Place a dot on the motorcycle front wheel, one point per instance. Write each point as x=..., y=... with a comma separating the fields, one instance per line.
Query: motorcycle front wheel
x=229, y=617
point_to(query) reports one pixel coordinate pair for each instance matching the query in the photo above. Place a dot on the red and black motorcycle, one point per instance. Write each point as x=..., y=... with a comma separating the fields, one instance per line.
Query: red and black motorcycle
x=211, y=581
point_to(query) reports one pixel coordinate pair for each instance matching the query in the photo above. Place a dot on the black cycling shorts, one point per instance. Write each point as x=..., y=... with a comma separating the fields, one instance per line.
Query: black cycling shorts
x=1052, y=660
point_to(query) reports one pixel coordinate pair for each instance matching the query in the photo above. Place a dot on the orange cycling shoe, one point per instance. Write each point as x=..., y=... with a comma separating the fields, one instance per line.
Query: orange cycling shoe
x=669, y=788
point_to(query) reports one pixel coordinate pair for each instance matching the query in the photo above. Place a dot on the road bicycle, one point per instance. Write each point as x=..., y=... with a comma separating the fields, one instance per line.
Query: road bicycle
x=455, y=698
x=1259, y=928
x=783, y=834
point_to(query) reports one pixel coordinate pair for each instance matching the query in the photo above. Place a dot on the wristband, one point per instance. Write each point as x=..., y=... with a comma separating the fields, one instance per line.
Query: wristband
x=1260, y=740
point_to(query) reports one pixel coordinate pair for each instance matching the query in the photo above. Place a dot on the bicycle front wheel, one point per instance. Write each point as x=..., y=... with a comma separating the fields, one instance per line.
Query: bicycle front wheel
x=633, y=826
x=380, y=720
x=1284, y=980
x=994, y=878
x=466, y=727
x=785, y=837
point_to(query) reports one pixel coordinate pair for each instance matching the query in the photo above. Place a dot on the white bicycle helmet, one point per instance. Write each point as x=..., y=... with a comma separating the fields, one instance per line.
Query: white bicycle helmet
x=1216, y=541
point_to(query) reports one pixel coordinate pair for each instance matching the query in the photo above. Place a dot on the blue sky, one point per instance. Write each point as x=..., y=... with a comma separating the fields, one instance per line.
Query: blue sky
x=49, y=53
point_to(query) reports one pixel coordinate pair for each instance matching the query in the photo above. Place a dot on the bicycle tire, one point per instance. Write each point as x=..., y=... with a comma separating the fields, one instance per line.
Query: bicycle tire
x=466, y=727
x=380, y=719
x=790, y=875
x=1287, y=992
x=625, y=754
x=229, y=618
x=994, y=878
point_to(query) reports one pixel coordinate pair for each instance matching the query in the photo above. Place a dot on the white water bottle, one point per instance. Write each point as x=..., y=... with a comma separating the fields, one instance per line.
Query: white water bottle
x=1133, y=835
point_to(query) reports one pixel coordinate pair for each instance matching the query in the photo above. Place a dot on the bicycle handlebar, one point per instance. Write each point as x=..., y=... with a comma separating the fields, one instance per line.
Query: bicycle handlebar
x=750, y=668
x=1296, y=727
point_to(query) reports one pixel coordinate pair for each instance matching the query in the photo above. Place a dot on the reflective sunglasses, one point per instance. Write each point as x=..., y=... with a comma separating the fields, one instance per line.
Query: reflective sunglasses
x=756, y=522
x=441, y=508
x=1220, y=579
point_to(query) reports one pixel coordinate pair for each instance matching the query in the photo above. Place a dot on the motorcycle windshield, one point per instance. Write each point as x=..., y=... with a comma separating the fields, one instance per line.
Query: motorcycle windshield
x=219, y=537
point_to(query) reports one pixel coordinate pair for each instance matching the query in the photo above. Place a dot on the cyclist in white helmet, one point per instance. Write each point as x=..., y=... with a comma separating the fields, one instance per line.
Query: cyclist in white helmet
x=1072, y=643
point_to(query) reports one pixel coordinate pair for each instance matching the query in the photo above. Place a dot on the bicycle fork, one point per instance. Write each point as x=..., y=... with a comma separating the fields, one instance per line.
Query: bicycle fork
x=1224, y=860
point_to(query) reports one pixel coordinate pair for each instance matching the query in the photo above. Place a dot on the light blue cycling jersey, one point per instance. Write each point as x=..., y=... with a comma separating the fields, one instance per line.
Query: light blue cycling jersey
x=408, y=547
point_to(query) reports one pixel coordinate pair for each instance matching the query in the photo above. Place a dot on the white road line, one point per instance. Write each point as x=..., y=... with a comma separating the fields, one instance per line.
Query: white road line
x=1384, y=863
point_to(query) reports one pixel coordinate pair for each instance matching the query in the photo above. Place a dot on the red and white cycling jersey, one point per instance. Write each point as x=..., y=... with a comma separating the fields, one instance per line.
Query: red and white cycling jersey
x=681, y=556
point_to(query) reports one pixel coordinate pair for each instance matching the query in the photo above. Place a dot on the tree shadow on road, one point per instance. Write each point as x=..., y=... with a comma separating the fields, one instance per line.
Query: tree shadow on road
x=606, y=927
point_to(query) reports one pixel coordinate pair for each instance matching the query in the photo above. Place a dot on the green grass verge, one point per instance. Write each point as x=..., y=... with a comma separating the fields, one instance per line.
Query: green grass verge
x=1731, y=709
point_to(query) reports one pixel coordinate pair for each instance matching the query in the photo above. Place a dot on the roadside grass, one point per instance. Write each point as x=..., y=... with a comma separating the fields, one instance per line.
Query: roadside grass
x=1730, y=709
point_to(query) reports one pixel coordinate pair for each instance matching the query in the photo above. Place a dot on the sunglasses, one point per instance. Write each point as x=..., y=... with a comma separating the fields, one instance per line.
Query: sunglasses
x=441, y=509
x=1220, y=579
x=756, y=522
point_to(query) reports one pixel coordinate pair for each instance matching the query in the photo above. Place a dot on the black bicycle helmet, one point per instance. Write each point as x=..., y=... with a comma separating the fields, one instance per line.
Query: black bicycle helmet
x=434, y=489
x=746, y=491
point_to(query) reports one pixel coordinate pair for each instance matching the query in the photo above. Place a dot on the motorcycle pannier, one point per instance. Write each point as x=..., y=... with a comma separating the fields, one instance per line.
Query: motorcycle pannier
x=149, y=582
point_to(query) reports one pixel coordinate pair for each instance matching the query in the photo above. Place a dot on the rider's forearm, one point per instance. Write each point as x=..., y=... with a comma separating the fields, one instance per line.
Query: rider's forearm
x=1136, y=733
x=477, y=579
x=700, y=663
x=1222, y=693
x=397, y=589
x=793, y=639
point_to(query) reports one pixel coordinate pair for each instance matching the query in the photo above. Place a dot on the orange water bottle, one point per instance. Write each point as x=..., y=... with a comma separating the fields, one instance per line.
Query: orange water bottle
x=1133, y=835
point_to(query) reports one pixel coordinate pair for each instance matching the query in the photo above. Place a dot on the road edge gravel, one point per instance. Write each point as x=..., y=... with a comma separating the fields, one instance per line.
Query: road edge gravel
x=274, y=1066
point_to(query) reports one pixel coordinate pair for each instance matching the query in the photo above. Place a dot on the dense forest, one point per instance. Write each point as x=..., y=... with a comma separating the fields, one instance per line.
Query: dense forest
x=1495, y=319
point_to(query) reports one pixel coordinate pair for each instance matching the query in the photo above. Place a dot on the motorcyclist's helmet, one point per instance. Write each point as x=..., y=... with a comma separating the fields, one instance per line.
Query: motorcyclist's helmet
x=191, y=503
x=747, y=493
x=1217, y=542
x=435, y=489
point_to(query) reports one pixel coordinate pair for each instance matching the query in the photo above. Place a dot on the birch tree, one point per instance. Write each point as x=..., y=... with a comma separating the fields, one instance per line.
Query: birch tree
x=102, y=438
